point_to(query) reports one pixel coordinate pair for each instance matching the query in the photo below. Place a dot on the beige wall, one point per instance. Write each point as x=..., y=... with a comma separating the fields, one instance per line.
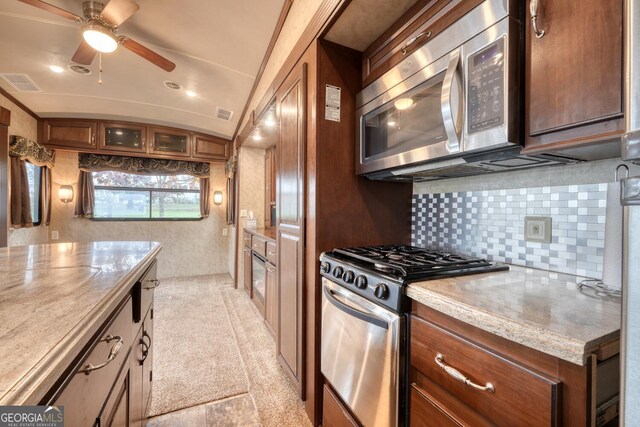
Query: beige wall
x=24, y=125
x=299, y=16
x=189, y=247
x=251, y=194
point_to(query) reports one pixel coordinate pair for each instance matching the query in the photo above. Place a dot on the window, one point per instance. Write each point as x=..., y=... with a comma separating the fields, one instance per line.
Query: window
x=34, y=176
x=125, y=196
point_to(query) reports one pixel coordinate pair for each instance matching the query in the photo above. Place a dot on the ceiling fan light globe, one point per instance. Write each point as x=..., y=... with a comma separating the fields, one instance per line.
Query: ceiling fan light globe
x=99, y=38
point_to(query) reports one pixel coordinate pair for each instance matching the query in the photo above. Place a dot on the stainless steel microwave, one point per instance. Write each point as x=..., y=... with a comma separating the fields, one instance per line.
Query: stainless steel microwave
x=458, y=94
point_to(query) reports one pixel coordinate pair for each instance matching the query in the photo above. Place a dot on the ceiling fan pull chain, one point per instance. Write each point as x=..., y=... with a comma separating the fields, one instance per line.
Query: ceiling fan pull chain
x=100, y=58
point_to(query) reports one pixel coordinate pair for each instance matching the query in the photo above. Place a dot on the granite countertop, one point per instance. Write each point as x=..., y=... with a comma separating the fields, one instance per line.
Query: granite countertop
x=53, y=299
x=539, y=309
x=267, y=233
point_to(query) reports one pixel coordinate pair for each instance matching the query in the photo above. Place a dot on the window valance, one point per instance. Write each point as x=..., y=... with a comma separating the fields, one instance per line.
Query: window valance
x=31, y=151
x=141, y=165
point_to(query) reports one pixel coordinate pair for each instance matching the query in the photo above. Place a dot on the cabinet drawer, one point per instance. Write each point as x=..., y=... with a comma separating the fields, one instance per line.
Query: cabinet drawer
x=425, y=412
x=334, y=413
x=259, y=245
x=246, y=238
x=85, y=394
x=271, y=252
x=519, y=396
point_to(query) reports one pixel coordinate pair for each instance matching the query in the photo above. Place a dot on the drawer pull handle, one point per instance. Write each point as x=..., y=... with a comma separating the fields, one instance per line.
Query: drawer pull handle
x=152, y=284
x=112, y=354
x=145, y=347
x=453, y=372
x=533, y=9
x=413, y=40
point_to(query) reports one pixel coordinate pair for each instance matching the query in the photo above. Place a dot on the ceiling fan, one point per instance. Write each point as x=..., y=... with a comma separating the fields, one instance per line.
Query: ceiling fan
x=100, y=30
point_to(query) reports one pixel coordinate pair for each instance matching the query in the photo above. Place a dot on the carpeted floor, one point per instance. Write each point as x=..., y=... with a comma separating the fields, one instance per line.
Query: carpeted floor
x=237, y=355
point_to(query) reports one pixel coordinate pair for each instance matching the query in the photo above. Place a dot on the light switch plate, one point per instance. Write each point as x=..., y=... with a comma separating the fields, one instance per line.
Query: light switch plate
x=224, y=231
x=243, y=213
x=55, y=235
x=537, y=229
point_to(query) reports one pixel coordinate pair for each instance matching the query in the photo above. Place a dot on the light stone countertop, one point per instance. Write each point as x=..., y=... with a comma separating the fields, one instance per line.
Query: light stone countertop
x=539, y=309
x=53, y=299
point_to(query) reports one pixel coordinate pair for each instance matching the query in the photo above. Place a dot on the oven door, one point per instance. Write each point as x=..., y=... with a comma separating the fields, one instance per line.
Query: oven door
x=362, y=353
x=417, y=120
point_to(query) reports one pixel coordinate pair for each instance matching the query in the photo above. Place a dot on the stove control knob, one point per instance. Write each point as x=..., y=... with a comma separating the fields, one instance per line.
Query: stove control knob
x=348, y=276
x=325, y=267
x=381, y=291
x=361, y=282
x=337, y=272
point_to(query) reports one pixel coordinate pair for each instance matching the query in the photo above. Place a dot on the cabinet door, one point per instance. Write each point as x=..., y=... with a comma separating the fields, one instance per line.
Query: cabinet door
x=334, y=413
x=147, y=361
x=135, y=366
x=170, y=142
x=271, y=306
x=268, y=170
x=116, y=412
x=210, y=148
x=574, y=71
x=73, y=134
x=247, y=271
x=291, y=101
x=125, y=137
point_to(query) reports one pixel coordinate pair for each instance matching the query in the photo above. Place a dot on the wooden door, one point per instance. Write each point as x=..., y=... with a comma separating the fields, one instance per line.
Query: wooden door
x=271, y=306
x=291, y=100
x=210, y=147
x=268, y=170
x=147, y=364
x=334, y=414
x=136, y=361
x=125, y=137
x=169, y=142
x=574, y=71
x=247, y=271
x=116, y=412
x=72, y=134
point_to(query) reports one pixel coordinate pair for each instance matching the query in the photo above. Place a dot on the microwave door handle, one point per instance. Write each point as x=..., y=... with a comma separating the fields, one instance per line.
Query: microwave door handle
x=451, y=103
x=352, y=311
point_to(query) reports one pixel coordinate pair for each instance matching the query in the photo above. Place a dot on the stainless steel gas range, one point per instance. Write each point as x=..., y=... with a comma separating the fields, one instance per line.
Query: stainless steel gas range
x=364, y=322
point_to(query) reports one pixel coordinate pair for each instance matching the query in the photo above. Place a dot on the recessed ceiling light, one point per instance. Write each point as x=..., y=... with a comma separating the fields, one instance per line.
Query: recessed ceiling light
x=191, y=93
x=270, y=122
x=79, y=69
x=56, y=69
x=257, y=137
x=391, y=124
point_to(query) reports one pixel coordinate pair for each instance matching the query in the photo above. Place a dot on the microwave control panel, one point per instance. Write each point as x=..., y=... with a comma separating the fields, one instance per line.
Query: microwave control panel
x=485, y=106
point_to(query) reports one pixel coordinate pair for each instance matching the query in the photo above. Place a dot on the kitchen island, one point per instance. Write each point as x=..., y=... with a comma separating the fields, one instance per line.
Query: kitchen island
x=55, y=302
x=519, y=347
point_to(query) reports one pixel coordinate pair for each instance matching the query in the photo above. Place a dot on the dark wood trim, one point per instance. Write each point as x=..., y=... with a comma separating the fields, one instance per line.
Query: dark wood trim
x=246, y=130
x=18, y=103
x=5, y=121
x=267, y=55
x=236, y=217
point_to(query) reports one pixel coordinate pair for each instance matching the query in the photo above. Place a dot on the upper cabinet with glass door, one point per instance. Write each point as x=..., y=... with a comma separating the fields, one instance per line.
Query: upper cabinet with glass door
x=124, y=137
x=170, y=142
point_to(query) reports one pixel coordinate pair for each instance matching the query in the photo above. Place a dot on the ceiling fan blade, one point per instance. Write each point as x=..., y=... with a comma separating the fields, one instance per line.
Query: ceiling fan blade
x=53, y=9
x=147, y=54
x=118, y=11
x=84, y=54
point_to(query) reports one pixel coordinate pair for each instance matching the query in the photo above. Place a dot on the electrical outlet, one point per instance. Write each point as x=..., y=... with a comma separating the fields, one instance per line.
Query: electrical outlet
x=243, y=213
x=537, y=229
x=224, y=232
x=55, y=235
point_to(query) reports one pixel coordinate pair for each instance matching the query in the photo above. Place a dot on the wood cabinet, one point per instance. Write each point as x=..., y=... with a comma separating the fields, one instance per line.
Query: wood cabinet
x=132, y=139
x=147, y=361
x=418, y=25
x=208, y=147
x=516, y=385
x=271, y=304
x=169, y=142
x=122, y=137
x=117, y=409
x=247, y=260
x=269, y=185
x=71, y=134
x=334, y=414
x=291, y=101
x=574, y=74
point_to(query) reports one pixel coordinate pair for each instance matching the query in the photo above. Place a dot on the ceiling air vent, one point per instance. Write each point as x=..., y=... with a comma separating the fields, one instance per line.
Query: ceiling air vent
x=172, y=85
x=79, y=69
x=20, y=82
x=223, y=114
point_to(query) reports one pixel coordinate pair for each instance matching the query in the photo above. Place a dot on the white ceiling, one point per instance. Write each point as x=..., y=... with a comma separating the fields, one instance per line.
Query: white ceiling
x=217, y=47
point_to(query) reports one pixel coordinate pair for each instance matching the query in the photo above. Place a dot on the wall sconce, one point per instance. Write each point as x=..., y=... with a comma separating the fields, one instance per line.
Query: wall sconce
x=65, y=193
x=217, y=198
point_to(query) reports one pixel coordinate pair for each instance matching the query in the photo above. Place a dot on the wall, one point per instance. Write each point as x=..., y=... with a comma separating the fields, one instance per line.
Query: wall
x=189, y=247
x=24, y=125
x=299, y=16
x=251, y=194
x=484, y=216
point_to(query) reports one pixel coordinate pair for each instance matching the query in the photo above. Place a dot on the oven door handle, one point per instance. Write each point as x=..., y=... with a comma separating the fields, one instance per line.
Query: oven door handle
x=354, y=312
x=451, y=103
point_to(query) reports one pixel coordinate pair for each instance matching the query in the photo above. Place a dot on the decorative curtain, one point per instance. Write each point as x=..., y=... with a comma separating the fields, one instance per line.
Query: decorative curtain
x=230, y=171
x=85, y=200
x=22, y=150
x=142, y=165
x=204, y=197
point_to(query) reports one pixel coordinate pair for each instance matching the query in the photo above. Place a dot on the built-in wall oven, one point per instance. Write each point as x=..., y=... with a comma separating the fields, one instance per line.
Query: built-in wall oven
x=459, y=93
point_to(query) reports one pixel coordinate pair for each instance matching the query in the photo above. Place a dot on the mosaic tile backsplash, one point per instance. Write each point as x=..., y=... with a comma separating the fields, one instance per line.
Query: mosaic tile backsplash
x=490, y=224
